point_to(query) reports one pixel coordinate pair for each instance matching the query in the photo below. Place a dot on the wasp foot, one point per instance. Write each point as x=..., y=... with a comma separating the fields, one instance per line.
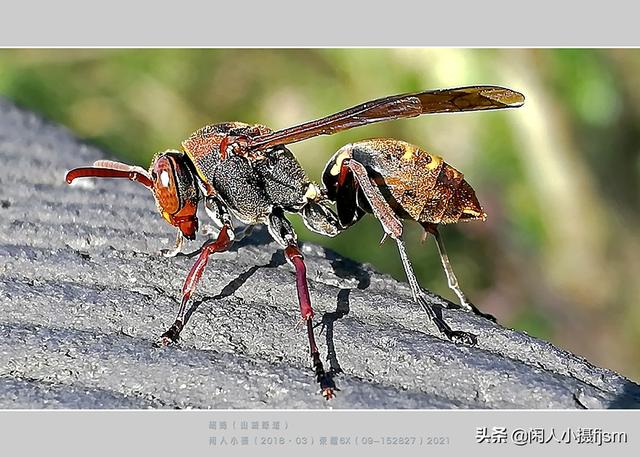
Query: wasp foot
x=328, y=393
x=462, y=337
x=435, y=313
x=327, y=385
x=170, y=336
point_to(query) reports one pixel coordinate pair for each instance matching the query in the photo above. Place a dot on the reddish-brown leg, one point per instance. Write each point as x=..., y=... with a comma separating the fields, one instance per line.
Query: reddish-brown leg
x=381, y=210
x=222, y=243
x=294, y=255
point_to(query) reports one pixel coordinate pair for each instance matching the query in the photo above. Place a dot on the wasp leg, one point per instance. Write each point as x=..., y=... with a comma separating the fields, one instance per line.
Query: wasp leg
x=321, y=219
x=381, y=210
x=282, y=231
x=216, y=211
x=294, y=256
x=452, y=279
x=222, y=243
x=393, y=227
x=176, y=249
x=434, y=313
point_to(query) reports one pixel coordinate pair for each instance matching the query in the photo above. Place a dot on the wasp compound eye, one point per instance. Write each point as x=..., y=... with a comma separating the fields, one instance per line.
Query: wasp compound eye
x=175, y=190
x=165, y=186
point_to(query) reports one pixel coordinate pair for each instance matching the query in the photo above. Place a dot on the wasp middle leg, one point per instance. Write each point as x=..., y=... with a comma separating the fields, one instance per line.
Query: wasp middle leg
x=282, y=231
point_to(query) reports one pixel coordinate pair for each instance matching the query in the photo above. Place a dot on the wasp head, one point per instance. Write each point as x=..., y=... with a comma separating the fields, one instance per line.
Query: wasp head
x=175, y=190
x=170, y=178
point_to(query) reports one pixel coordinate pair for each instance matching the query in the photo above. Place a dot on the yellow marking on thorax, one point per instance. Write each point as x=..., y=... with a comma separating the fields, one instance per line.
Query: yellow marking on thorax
x=412, y=152
x=195, y=163
x=204, y=179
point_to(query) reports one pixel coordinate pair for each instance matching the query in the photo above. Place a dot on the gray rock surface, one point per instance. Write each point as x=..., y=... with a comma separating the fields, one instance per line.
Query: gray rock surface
x=84, y=294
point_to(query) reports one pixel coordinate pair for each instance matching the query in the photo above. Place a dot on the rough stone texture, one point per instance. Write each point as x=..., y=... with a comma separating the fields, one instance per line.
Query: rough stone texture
x=83, y=295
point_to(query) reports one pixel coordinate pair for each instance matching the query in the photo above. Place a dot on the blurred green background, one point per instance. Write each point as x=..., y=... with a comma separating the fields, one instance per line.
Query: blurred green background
x=559, y=255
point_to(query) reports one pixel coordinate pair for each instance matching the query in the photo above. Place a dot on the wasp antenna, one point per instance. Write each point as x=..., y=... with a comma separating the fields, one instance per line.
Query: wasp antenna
x=111, y=169
x=113, y=165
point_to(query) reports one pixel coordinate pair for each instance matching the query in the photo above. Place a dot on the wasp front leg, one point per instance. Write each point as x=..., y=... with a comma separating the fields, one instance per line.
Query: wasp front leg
x=222, y=243
x=283, y=233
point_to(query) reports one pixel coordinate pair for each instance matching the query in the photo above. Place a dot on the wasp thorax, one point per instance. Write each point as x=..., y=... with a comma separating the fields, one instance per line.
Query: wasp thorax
x=175, y=190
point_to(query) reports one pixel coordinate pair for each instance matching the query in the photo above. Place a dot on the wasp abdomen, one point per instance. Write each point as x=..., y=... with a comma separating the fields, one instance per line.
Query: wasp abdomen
x=416, y=184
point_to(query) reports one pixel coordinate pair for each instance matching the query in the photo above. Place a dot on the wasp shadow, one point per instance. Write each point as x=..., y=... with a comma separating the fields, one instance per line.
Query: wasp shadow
x=345, y=269
x=628, y=397
x=250, y=235
x=277, y=259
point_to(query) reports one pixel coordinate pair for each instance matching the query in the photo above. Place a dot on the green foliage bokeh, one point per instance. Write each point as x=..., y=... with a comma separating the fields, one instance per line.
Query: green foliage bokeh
x=559, y=177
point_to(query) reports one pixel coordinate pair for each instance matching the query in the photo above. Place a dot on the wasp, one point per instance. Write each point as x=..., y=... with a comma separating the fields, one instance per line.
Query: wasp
x=246, y=172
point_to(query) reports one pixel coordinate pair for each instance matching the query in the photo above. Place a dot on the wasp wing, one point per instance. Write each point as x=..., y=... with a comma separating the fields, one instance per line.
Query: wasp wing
x=472, y=98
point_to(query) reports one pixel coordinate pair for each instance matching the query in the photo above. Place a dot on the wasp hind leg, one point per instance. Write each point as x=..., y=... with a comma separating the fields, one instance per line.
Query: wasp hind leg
x=393, y=227
x=434, y=312
x=451, y=276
